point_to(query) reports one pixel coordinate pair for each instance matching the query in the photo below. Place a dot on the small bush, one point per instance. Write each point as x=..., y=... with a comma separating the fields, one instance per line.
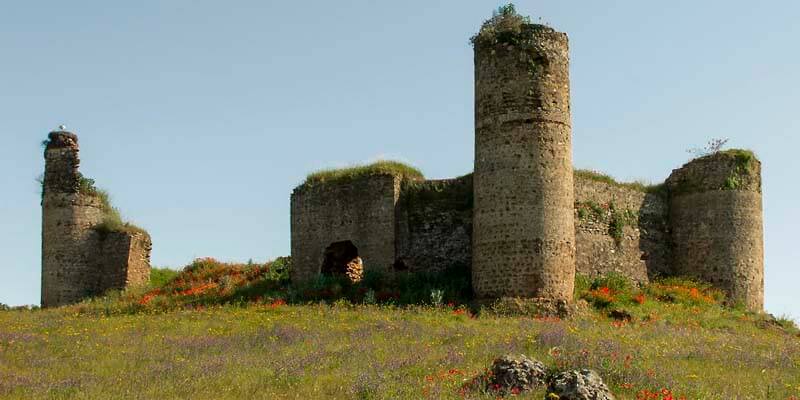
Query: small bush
x=505, y=26
x=160, y=277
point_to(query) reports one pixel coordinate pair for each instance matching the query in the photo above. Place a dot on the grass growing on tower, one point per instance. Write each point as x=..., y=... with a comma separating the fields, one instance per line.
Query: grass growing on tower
x=112, y=219
x=339, y=175
x=641, y=186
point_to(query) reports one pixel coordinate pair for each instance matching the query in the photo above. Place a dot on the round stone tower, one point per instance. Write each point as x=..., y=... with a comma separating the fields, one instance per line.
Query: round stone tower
x=523, y=232
x=717, y=224
x=68, y=270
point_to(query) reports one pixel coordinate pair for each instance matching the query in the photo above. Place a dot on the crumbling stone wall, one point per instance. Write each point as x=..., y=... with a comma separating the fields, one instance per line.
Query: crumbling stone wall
x=621, y=230
x=434, y=225
x=125, y=259
x=717, y=224
x=523, y=224
x=361, y=210
x=78, y=261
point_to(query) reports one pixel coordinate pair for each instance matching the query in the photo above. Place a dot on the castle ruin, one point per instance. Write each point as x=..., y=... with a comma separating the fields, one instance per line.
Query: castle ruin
x=86, y=249
x=525, y=222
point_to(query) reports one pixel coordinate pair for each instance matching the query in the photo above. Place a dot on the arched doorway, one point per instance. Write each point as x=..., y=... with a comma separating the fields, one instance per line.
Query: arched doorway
x=341, y=258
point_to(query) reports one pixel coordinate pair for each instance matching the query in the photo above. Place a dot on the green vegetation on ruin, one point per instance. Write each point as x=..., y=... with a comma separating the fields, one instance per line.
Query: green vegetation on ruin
x=505, y=26
x=384, y=167
x=112, y=219
x=616, y=218
x=740, y=177
x=191, y=337
x=641, y=186
x=744, y=160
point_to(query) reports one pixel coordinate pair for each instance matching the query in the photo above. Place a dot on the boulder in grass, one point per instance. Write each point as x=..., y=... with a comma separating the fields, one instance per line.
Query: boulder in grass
x=578, y=385
x=516, y=374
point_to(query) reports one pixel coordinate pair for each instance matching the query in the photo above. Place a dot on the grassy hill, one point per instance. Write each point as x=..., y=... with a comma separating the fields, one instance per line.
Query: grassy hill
x=221, y=331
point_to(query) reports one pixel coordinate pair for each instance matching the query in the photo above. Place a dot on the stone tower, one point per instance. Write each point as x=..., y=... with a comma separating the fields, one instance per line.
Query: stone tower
x=717, y=224
x=79, y=260
x=523, y=232
x=68, y=274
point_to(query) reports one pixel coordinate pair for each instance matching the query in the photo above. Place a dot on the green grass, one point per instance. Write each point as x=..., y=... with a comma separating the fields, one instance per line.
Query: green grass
x=359, y=171
x=112, y=219
x=640, y=186
x=160, y=277
x=679, y=338
x=113, y=222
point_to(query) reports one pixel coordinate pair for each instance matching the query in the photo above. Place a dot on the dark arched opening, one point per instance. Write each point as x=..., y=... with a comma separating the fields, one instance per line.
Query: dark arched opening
x=341, y=258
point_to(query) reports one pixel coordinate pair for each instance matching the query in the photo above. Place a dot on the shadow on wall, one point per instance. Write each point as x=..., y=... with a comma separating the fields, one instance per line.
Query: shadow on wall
x=341, y=258
x=654, y=239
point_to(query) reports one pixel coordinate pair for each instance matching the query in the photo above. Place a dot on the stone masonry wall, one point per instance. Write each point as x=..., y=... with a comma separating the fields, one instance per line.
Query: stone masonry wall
x=523, y=225
x=124, y=259
x=77, y=260
x=361, y=210
x=434, y=225
x=640, y=250
x=68, y=274
x=717, y=224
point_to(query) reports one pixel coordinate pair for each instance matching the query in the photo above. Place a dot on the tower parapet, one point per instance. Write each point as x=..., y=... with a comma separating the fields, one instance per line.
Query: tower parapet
x=717, y=224
x=523, y=223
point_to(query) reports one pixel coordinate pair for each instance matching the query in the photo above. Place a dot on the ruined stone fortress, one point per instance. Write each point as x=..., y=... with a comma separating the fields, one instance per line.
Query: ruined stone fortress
x=86, y=249
x=524, y=223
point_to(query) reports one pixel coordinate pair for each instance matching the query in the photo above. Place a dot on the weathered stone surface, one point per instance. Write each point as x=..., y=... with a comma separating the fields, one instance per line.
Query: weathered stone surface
x=641, y=252
x=124, y=258
x=361, y=211
x=523, y=225
x=579, y=385
x=717, y=225
x=434, y=225
x=516, y=372
x=77, y=260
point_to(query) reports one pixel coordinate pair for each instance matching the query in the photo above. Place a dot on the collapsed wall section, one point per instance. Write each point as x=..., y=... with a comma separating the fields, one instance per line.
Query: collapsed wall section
x=620, y=229
x=434, y=225
x=124, y=258
x=78, y=260
x=360, y=211
x=717, y=224
x=523, y=229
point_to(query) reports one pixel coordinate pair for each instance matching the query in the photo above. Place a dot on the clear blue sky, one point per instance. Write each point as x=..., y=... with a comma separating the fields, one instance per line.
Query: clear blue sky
x=201, y=116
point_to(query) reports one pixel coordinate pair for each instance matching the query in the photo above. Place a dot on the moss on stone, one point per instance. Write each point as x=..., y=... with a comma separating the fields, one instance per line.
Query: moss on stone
x=740, y=177
x=743, y=160
x=616, y=219
x=339, y=175
x=619, y=220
